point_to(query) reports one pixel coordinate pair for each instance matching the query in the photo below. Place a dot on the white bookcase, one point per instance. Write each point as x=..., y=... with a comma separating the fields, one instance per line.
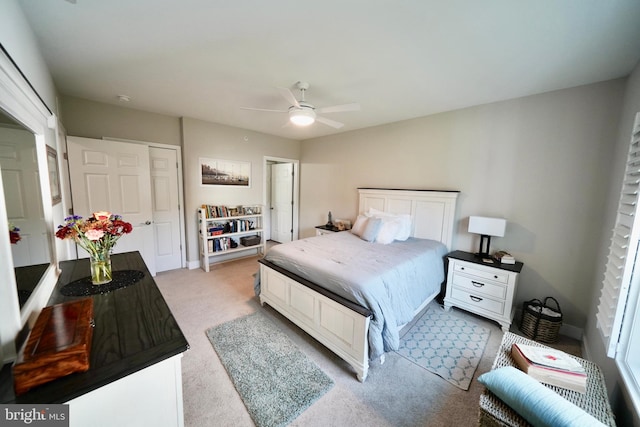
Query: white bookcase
x=224, y=230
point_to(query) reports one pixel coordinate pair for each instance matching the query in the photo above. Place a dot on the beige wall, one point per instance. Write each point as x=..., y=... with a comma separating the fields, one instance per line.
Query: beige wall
x=210, y=140
x=96, y=120
x=541, y=161
x=20, y=42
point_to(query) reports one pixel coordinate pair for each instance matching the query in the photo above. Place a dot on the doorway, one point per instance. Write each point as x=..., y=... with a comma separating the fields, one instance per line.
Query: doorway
x=281, y=198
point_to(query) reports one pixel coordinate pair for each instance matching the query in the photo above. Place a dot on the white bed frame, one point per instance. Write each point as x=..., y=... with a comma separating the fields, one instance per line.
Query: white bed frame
x=338, y=324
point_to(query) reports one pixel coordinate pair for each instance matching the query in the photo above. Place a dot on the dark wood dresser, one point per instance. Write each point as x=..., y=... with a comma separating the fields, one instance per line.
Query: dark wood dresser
x=135, y=359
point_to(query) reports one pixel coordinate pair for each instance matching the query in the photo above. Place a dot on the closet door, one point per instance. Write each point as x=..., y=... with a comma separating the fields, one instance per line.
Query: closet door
x=166, y=210
x=114, y=176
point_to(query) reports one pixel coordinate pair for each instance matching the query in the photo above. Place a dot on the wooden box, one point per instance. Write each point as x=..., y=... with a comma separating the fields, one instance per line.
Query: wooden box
x=59, y=344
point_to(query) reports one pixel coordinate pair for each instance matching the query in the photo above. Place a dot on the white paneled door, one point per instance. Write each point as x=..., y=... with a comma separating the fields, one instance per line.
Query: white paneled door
x=282, y=202
x=166, y=208
x=114, y=176
x=21, y=180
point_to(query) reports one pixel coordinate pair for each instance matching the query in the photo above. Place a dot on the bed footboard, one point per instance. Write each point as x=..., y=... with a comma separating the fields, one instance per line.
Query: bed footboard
x=339, y=325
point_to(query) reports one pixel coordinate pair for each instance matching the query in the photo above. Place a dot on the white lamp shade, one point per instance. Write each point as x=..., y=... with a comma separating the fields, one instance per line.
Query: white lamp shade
x=487, y=226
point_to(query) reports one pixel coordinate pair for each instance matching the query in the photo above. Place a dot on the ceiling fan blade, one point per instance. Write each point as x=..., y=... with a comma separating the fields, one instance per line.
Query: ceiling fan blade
x=288, y=95
x=329, y=122
x=264, y=109
x=339, y=108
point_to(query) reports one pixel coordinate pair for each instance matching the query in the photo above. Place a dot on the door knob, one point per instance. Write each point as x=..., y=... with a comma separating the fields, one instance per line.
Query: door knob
x=147, y=222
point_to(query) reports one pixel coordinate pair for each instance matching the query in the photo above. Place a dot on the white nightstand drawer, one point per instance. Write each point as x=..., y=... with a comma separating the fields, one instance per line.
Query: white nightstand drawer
x=476, y=301
x=479, y=285
x=492, y=273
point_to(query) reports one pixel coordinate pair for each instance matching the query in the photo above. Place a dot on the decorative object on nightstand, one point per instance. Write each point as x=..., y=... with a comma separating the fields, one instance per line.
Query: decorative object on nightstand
x=343, y=224
x=484, y=289
x=486, y=227
x=330, y=220
x=504, y=257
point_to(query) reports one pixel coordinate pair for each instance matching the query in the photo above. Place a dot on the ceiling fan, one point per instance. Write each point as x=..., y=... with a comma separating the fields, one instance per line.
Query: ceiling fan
x=302, y=113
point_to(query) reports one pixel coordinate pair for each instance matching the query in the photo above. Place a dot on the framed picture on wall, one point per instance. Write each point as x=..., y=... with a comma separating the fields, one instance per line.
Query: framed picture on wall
x=54, y=175
x=226, y=173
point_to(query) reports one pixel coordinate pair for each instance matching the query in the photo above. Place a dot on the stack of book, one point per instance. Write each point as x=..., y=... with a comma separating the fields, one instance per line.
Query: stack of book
x=550, y=366
x=504, y=257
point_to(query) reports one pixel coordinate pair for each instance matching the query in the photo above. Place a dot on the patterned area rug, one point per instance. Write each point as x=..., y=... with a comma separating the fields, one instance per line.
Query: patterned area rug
x=445, y=345
x=275, y=380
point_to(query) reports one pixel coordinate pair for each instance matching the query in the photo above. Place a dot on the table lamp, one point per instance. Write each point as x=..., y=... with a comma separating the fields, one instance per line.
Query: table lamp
x=486, y=227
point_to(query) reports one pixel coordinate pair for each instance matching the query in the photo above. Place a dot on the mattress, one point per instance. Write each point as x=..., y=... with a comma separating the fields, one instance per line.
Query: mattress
x=392, y=280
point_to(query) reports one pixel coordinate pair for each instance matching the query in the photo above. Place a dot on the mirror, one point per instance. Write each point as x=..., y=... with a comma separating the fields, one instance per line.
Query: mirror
x=21, y=184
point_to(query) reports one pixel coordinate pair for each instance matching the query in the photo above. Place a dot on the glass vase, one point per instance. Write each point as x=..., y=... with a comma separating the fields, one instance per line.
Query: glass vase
x=101, y=268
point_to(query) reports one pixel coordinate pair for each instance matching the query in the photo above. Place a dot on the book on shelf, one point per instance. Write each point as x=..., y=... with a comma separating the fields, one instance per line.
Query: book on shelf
x=504, y=257
x=550, y=366
x=221, y=244
x=220, y=211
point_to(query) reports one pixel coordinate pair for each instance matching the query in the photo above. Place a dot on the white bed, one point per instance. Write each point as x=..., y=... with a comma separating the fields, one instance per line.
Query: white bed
x=340, y=324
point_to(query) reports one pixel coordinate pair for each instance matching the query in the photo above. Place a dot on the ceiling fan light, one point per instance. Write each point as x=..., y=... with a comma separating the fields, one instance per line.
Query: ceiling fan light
x=302, y=117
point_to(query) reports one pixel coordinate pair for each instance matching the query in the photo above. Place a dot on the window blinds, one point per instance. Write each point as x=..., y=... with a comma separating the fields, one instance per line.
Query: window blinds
x=623, y=250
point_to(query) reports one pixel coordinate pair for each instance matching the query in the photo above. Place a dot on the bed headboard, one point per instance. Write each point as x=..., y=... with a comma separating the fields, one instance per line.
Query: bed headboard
x=432, y=212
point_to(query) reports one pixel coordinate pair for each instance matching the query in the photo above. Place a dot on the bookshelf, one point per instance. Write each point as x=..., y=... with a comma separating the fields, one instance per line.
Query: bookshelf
x=225, y=230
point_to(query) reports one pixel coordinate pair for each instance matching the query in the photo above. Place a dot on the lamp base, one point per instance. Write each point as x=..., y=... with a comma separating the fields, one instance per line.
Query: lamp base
x=485, y=243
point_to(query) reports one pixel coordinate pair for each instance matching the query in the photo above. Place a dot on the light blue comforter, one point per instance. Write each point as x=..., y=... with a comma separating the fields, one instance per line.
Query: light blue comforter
x=390, y=280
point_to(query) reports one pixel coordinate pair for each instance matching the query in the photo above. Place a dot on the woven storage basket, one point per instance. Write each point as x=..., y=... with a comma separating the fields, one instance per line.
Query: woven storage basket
x=541, y=322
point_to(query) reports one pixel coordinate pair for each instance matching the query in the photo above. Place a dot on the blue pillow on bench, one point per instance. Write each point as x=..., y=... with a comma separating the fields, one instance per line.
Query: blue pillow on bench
x=536, y=403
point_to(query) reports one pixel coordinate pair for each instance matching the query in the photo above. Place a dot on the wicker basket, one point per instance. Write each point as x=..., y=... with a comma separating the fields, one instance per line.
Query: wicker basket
x=541, y=322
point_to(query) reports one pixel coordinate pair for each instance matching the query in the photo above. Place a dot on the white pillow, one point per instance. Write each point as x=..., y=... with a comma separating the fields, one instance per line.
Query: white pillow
x=371, y=230
x=359, y=225
x=403, y=227
x=388, y=230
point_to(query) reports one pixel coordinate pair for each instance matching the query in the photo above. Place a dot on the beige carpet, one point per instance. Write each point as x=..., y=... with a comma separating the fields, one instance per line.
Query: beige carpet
x=398, y=393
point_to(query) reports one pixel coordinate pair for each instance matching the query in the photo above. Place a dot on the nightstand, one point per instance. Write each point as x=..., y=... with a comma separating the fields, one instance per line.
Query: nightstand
x=486, y=289
x=323, y=229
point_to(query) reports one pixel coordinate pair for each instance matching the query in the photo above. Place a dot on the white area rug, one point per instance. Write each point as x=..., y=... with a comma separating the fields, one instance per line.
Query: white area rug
x=446, y=345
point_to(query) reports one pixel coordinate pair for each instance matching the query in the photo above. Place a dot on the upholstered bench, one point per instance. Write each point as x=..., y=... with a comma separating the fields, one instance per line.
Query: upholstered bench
x=494, y=412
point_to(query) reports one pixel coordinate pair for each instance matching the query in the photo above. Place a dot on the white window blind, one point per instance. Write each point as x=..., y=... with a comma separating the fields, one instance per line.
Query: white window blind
x=623, y=249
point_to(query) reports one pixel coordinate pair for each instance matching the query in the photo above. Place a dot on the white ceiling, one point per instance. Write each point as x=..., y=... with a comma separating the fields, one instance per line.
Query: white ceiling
x=401, y=59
